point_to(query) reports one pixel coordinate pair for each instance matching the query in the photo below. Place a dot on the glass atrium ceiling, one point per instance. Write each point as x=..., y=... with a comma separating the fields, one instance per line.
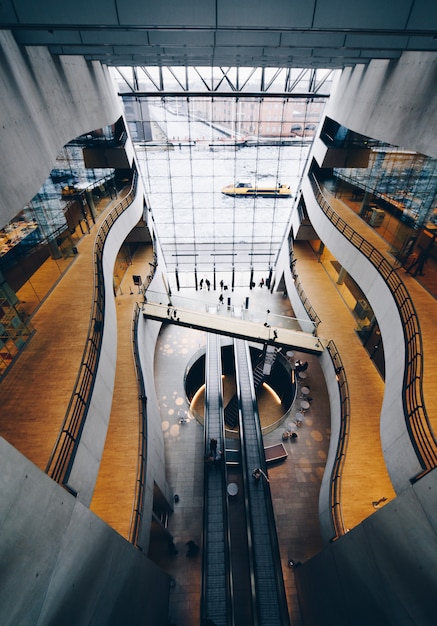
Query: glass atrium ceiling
x=254, y=127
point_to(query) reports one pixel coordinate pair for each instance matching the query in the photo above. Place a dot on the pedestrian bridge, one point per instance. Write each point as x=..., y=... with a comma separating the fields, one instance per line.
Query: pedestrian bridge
x=240, y=323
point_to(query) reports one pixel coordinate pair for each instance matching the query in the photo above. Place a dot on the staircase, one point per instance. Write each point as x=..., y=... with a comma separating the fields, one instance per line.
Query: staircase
x=261, y=371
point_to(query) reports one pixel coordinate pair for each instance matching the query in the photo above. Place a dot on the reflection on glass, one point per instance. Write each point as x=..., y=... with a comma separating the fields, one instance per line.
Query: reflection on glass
x=198, y=146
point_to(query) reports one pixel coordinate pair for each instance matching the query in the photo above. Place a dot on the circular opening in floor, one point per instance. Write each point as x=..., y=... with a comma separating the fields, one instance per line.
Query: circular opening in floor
x=275, y=392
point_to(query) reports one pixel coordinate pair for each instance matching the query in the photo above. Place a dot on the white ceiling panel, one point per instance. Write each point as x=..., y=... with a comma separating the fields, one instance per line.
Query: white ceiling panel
x=262, y=14
x=182, y=13
x=358, y=40
x=312, y=39
x=101, y=51
x=336, y=52
x=423, y=16
x=188, y=51
x=375, y=14
x=282, y=52
x=323, y=33
x=77, y=12
x=379, y=54
x=48, y=38
x=246, y=38
x=120, y=36
x=422, y=43
x=181, y=38
x=7, y=13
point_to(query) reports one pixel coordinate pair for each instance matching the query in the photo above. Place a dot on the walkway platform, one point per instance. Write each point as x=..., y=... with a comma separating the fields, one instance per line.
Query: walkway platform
x=216, y=320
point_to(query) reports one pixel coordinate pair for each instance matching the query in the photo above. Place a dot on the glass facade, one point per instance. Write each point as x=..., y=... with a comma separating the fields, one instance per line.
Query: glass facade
x=15, y=326
x=39, y=244
x=404, y=180
x=190, y=148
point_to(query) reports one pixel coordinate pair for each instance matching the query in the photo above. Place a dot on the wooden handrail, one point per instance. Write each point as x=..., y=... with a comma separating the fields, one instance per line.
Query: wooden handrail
x=62, y=456
x=140, y=485
x=416, y=418
x=343, y=438
x=137, y=511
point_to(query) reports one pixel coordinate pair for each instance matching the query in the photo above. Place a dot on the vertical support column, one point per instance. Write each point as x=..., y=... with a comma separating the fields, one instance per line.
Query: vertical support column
x=341, y=276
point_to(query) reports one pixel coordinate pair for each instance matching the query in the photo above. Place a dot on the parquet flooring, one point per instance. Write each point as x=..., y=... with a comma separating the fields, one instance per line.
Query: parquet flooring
x=34, y=395
x=424, y=303
x=365, y=477
x=115, y=488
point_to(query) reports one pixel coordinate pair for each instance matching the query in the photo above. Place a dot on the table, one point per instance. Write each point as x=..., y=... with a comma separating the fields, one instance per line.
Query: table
x=232, y=489
x=299, y=419
x=304, y=405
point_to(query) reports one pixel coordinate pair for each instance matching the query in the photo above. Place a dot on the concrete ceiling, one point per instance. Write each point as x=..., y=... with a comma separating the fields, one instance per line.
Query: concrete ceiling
x=247, y=33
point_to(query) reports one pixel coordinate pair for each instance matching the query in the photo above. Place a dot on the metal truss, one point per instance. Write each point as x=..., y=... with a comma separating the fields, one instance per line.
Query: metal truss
x=224, y=82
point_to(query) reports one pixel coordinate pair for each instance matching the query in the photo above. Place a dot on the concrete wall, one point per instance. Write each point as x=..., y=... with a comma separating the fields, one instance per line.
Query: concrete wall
x=45, y=102
x=148, y=331
x=383, y=572
x=393, y=101
x=61, y=564
x=147, y=334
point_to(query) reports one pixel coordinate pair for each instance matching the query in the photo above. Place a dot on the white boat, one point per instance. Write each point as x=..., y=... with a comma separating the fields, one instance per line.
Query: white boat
x=246, y=189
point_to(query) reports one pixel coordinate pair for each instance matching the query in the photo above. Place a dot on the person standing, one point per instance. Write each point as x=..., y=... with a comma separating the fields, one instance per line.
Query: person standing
x=213, y=447
x=418, y=263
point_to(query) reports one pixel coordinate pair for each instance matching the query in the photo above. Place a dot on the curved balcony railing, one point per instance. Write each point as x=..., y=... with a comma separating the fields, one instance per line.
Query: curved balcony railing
x=416, y=418
x=137, y=512
x=303, y=297
x=62, y=456
x=343, y=438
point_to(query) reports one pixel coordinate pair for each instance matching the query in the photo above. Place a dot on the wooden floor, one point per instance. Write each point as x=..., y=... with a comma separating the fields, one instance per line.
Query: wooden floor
x=115, y=489
x=35, y=393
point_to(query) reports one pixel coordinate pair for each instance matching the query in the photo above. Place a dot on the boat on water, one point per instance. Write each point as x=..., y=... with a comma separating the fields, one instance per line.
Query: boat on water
x=246, y=189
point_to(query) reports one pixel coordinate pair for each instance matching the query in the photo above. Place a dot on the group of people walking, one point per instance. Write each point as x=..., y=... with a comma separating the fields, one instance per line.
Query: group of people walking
x=206, y=282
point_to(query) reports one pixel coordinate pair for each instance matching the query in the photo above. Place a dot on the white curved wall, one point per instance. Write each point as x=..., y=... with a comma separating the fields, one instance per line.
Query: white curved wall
x=393, y=101
x=398, y=451
x=325, y=514
x=61, y=564
x=45, y=102
x=147, y=337
x=86, y=464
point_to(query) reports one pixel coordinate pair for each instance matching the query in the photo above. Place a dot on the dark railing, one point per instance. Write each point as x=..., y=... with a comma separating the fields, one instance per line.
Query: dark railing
x=306, y=303
x=416, y=417
x=268, y=591
x=343, y=438
x=137, y=512
x=217, y=596
x=64, y=450
x=340, y=454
